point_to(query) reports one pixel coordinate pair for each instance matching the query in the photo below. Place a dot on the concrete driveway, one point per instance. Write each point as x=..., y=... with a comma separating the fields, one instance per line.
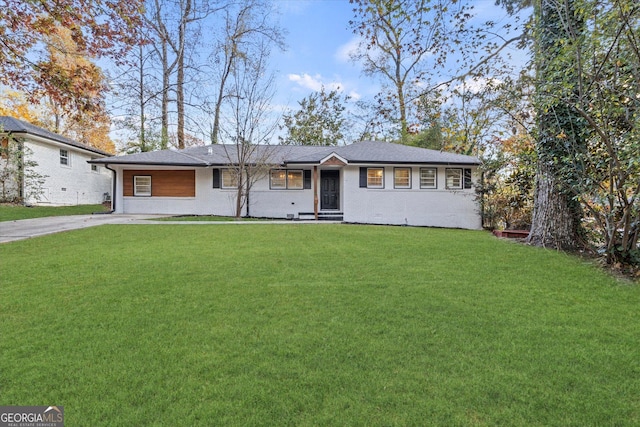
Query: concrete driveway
x=26, y=228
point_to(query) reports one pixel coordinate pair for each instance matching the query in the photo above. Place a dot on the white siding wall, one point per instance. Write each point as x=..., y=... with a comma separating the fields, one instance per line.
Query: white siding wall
x=422, y=207
x=217, y=201
x=68, y=185
x=415, y=206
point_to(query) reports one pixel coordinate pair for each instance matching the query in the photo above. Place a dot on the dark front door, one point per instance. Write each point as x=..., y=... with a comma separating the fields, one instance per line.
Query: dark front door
x=330, y=189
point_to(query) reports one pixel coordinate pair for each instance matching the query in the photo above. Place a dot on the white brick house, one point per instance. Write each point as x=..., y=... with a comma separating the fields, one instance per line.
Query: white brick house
x=366, y=182
x=68, y=178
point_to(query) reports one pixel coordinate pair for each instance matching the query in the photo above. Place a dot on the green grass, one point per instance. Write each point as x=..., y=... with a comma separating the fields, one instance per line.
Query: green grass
x=314, y=325
x=206, y=218
x=15, y=212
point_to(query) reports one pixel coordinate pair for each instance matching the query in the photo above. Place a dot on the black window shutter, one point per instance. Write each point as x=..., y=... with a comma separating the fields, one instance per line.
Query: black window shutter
x=363, y=177
x=216, y=178
x=467, y=178
x=307, y=179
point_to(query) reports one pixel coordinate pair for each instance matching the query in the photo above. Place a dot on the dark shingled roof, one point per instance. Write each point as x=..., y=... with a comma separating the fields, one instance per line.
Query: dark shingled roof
x=15, y=126
x=365, y=152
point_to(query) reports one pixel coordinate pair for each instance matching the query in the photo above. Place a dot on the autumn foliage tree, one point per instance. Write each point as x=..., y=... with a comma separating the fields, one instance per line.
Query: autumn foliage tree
x=46, y=52
x=15, y=104
x=85, y=119
x=99, y=28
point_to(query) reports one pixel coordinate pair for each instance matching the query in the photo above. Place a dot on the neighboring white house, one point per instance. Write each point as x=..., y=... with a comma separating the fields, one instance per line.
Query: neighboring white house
x=366, y=182
x=67, y=177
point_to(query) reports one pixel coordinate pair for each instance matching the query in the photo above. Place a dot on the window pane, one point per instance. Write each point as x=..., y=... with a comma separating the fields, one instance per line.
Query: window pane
x=375, y=177
x=428, y=178
x=229, y=178
x=278, y=179
x=454, y=178
x=295, y=180
x=402, y=178
x=142, y=186
x=64, y=157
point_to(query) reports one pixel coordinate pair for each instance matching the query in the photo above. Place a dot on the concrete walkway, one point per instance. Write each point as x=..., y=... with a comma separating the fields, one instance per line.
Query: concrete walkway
x=26, y=228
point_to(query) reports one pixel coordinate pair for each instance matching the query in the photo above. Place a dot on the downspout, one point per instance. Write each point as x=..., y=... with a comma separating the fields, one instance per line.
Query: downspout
x=114, y=185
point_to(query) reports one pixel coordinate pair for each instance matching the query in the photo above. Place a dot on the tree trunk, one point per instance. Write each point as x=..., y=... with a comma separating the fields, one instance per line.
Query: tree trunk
x=143, y=142
x=182, y=35
x=555, y=221
x=180, y=104
x=556, y=213
x=164, y=131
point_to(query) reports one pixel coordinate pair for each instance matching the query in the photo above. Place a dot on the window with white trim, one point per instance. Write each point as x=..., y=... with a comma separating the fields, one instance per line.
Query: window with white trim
x=402, y=178
x=94, y=168
x=375, y=177
x=286, y=179
x=428, y=178
x=453, y=179
x=229, y=178
x=65, y=158
x=142, y=185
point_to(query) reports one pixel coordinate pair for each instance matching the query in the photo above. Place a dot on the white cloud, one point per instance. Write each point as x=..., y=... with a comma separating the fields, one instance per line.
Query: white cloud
x=343, y=54
x=314, y=82
x=477, y=85
x=307, y=81
x=355, y=95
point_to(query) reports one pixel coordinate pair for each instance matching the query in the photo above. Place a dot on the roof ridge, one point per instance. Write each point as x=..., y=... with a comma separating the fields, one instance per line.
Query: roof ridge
x=182, y=153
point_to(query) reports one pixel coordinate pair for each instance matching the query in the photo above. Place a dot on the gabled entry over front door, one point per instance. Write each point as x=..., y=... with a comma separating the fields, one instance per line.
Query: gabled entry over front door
x=330, y=189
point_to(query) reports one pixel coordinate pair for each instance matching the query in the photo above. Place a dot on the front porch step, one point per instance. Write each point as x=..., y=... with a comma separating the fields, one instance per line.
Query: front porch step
x=326, y=216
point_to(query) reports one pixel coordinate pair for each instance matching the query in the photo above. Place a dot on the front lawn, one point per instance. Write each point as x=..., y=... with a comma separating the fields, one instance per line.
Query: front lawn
x=15, y=212
x=206, y=218
x=314, y=325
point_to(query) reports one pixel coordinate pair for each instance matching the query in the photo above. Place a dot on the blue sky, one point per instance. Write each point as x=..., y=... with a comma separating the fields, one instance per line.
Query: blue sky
x=318, y=42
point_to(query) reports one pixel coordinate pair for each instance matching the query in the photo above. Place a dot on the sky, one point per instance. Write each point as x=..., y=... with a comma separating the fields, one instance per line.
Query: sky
x=319, y=41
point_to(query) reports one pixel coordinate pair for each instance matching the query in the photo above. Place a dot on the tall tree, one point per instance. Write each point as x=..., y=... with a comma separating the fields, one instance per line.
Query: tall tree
x=599, y=62
x=138, y=92
x=176, y=34
x=402, y=41
x=556, y=214
x=247, y=25
x=99, y=28
x=319, y=121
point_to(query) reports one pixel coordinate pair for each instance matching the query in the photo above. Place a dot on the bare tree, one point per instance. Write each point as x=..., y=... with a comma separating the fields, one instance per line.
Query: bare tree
x=251, y=123
x=245, y=28
x=175, y=24
x=398, y=39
